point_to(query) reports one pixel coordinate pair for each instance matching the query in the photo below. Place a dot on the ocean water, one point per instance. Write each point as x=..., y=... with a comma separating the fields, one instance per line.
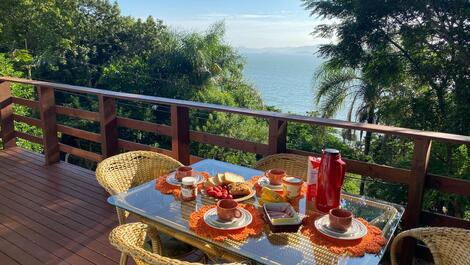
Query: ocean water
x=284, y=80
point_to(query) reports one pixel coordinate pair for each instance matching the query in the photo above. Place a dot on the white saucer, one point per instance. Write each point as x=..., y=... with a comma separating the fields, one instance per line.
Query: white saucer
x=356, y=231
x=264, y=182
x=212, y=220
x=171, y=179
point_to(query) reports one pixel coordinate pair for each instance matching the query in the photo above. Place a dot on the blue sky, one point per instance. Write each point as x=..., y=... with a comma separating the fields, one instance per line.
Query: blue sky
x=249, y=23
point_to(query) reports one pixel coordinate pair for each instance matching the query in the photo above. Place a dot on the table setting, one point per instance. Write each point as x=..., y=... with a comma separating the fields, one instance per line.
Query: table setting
x=269, y=217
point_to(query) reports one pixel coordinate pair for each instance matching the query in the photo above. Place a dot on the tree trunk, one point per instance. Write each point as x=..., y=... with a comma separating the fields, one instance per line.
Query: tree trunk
x=367, y=141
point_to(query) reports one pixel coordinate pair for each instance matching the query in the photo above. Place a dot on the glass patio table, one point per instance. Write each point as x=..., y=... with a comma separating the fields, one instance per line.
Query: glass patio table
x=170, y=215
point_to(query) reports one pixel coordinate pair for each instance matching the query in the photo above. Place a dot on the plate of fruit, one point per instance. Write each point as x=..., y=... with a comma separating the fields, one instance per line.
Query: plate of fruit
x=229, y=186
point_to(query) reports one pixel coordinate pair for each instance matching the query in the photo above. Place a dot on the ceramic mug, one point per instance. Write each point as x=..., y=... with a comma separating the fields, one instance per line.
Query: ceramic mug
x=340, y=219
x=292, y=186
x=275, y=176
x=184, y=171
x=227, y=210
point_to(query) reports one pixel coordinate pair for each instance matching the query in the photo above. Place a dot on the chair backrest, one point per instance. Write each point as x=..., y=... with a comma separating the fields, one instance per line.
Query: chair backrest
x=294, y=165
x=121, y=172
x=130, y=239
x=448, y=246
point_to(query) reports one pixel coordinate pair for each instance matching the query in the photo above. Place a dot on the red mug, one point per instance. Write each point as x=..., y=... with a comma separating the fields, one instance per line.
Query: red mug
x=227, y=210
x=340, y=219
x=275, y=176
x=185, y=171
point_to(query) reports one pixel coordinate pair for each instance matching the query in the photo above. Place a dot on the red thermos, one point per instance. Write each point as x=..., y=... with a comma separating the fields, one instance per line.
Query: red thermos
x=330, y=180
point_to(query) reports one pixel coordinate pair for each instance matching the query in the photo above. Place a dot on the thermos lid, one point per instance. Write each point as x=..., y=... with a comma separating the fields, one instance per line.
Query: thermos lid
x=330, y=151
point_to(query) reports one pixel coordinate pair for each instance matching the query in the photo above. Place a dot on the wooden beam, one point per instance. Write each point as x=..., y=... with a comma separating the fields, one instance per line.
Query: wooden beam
x=108, y=123
x=383, y=172
x=29, y=137
x=78, y=113
x=49, y=124
x=180, y=134
x=390, y=130
x=27, y=120
x=80, y=153
x=144, y=126
x=277, y=136
x=82, y=134
x=227, y=142
x=6, y=116
x=26, y=102
x=419, y=167
x=436, y=219
x=448, y=184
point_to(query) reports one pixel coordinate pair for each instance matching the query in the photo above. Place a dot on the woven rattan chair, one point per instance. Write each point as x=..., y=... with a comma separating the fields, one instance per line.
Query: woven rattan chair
x=294, y=165
x=121, y=172
x=448, y=246
x=130, y=239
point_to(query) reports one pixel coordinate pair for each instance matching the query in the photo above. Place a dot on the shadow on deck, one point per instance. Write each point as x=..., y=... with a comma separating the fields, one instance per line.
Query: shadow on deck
x=54, y=214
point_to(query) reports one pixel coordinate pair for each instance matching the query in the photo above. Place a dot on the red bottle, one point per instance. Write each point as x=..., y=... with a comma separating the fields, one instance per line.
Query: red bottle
x=330, y=180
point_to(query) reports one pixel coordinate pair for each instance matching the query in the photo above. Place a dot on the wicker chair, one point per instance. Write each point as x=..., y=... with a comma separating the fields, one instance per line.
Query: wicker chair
x=121, y=172
x=295, y=165
x=448, y=246
x=130, y=238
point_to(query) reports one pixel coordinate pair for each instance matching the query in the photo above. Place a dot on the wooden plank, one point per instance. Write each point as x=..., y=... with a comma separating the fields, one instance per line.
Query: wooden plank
x=227, y=142
x=385, y=173
x=412, y=215
x=7, y=125
x=108, y=125
x=80, y=153
x=132, y=146
x=27, y=120
x=436, y=219
x=29, y=137
x=48, y=124
x=26, y=102
x=82, y=134
x=448, y=184
x=405, y=132
x=78, y=113
x=277, y=136
x=180, y=134
x=144, y=126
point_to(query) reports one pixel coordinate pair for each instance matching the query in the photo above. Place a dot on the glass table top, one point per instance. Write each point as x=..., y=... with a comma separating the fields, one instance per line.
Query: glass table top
x=270, y=248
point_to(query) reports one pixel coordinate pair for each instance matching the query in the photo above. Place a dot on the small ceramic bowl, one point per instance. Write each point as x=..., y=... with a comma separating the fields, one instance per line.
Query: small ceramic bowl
x=340, y=219
x=292, y=186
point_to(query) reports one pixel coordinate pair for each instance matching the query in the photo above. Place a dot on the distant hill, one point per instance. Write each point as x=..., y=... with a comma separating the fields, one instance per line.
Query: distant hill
x=281, y=50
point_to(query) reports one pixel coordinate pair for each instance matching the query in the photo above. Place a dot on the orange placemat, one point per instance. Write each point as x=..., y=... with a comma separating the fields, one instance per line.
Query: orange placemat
x=166, y=188
x=371, y=243
x=197, y=224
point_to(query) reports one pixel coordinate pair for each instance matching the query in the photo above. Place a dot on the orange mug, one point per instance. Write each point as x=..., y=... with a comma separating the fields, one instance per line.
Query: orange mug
x=340, y=219
x=227, y=210
x=185, y=171
x=275, y=176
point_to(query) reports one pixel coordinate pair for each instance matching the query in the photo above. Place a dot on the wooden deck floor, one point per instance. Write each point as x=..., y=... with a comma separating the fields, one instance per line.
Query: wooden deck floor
x=52, y=214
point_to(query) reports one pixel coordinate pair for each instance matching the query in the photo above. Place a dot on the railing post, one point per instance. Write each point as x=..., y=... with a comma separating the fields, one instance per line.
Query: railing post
x=277, y=136
x=108, y=124
x=419, y=168
x=49, y=124
x=180, y=133
x=6, y=116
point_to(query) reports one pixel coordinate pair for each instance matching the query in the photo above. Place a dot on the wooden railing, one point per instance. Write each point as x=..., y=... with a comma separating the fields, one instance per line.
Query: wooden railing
x=416, y=178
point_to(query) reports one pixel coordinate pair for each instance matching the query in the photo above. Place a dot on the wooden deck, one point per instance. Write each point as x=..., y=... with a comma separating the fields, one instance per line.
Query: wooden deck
x=54, y=214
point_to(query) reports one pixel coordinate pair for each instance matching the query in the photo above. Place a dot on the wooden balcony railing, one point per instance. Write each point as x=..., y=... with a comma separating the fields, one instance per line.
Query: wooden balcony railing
x=416, y=178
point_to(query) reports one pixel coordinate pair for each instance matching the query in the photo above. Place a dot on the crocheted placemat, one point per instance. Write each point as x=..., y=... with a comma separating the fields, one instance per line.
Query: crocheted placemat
x=371, y=243
x=197, y=224
x=166, y=188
